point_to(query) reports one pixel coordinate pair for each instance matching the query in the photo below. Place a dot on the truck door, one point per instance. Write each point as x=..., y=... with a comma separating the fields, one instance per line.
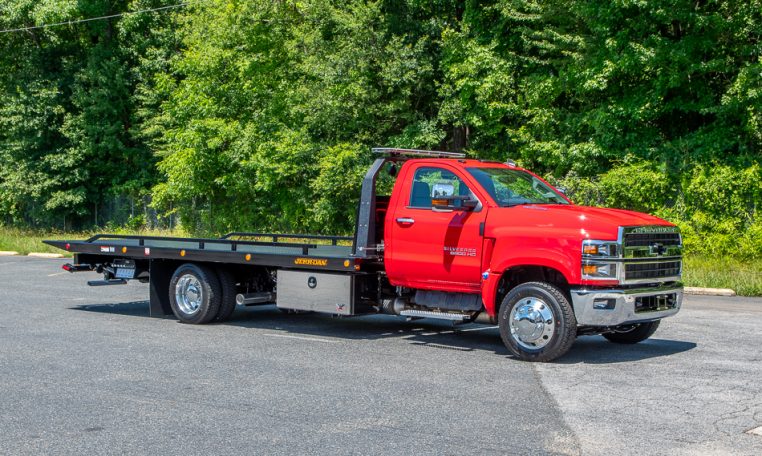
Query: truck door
x=430, y=249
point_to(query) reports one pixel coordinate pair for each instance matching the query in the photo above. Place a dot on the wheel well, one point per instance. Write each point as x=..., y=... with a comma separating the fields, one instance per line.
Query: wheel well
x=248, y=277
x=517, y=275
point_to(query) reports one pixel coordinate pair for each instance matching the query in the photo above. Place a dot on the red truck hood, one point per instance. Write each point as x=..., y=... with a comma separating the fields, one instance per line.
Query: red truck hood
x=565, y=220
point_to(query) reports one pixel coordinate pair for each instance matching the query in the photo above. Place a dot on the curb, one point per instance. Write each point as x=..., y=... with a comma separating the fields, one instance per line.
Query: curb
x=709, y=291
x=8, y=253
x=45, y=255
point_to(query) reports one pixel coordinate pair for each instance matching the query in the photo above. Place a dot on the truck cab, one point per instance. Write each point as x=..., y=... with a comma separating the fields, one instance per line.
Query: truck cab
x=494, y=239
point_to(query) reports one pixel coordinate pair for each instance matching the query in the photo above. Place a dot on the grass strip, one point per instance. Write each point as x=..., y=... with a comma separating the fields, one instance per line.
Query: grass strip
x=27, y=241
x=742, y=276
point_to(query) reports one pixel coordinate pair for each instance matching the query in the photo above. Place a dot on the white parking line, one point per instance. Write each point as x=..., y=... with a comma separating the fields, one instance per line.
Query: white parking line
x=477, y=329
x=57, y=274
x=311, y=339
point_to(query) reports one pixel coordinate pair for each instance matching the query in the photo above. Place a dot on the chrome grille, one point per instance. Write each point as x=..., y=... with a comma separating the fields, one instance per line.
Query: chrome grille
x=635, y=271
x=647, y=239
x=651, y=254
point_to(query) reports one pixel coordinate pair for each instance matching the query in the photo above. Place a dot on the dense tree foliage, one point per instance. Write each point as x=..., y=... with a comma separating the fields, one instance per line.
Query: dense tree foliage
x=259, y=114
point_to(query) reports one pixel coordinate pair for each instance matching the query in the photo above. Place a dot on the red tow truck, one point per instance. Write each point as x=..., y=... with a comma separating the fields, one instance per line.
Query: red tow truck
x=463, y=240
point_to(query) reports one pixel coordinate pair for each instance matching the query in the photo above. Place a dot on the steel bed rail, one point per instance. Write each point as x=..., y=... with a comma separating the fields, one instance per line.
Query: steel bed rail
x=234, y=243
x=276, y=236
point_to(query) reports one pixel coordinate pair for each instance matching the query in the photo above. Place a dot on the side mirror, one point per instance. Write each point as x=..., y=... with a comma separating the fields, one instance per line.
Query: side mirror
x=450, y=203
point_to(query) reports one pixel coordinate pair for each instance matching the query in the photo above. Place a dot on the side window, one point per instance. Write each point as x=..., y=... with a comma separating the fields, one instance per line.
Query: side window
x=433, y=182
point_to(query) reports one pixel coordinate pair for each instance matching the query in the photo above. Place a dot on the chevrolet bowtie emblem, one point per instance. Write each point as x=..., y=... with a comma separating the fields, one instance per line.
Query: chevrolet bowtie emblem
x=657, y=249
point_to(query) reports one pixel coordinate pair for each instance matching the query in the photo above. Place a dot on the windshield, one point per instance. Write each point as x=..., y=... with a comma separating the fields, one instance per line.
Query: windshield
x=511, y=187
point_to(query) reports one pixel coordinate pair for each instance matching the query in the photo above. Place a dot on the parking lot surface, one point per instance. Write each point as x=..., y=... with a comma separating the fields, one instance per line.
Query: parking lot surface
x=86, y=371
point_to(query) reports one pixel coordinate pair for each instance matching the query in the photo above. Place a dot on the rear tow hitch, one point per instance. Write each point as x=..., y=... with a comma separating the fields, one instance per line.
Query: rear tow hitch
x=77, y=267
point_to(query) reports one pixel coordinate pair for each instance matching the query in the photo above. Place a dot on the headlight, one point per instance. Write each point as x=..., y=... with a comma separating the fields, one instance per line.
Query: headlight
x=594, y=254
x=598, y=270
x=599, y=249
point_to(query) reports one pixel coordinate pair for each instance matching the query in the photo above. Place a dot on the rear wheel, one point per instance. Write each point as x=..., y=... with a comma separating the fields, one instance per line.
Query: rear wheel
x=195, y=293
x=227, y=304
x=537, y=322
x=632, y=334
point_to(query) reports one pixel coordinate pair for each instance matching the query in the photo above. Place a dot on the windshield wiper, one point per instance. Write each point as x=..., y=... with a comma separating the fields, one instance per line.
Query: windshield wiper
x=526, y=203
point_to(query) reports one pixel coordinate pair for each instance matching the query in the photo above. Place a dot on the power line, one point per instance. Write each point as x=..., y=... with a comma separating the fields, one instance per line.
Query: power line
x=100, y=18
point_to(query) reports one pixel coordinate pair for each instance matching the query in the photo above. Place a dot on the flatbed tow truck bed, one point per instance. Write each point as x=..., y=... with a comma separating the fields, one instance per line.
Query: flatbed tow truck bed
x=280, y=250
x=155, y=259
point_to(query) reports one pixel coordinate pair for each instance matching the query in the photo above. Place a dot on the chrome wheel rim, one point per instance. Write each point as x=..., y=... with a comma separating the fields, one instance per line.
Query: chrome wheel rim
x=532, y=323
x=189, y=294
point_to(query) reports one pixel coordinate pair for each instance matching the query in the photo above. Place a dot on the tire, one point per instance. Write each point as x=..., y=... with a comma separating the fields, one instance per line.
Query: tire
x=634, y=333
x=195, y=294
x=548, y=327
x=227, y=304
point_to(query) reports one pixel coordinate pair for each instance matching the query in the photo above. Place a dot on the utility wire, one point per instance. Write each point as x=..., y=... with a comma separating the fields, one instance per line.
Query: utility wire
x=79, y=21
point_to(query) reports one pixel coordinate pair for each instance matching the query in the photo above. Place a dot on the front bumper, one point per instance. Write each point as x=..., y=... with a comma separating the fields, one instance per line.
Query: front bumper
x=613, y=307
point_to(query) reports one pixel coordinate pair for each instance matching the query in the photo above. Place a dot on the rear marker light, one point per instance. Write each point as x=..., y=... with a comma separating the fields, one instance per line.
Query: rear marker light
x=68, y=246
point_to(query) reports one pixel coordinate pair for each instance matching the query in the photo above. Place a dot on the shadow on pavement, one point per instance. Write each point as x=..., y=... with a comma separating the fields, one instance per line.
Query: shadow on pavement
x=424, y=333
x=597, y=350
x=133, y=308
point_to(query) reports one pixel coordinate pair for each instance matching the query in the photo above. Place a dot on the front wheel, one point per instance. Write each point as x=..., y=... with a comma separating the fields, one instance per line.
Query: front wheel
x=632, y=334
x=537, y=322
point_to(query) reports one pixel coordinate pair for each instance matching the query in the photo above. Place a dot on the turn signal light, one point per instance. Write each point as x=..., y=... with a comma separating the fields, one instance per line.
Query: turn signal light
x=599, y=270
x=589, y=269
x=590, y=249
x=593, y=248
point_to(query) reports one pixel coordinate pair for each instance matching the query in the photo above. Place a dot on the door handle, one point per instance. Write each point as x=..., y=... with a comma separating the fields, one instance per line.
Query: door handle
x=405, y=221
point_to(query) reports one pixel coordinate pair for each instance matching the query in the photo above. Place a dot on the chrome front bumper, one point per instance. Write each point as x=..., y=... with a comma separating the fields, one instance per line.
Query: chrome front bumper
x=612, y=307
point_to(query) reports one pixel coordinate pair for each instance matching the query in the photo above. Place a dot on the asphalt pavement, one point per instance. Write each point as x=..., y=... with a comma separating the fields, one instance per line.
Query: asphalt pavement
x=85, y=371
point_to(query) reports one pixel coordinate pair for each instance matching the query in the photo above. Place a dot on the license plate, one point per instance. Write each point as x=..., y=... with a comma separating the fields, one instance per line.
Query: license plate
x=125, y=273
